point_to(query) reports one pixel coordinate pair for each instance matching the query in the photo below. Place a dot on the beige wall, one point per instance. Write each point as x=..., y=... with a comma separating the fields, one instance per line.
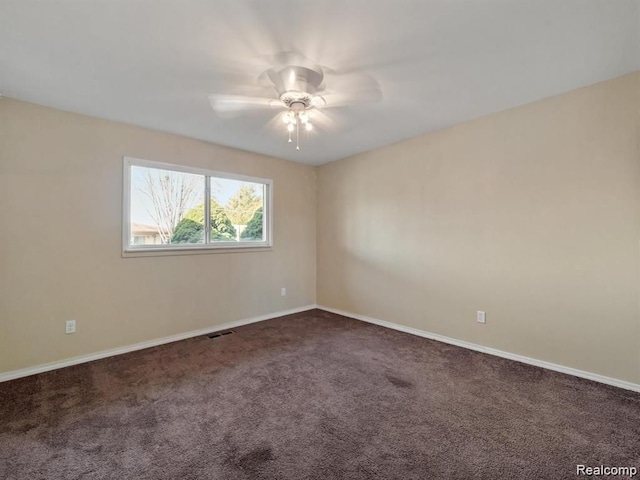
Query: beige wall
x=532, y=215
x=60, y=241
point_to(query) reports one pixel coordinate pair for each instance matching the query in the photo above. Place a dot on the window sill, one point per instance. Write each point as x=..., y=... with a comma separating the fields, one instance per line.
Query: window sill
x=165, y=252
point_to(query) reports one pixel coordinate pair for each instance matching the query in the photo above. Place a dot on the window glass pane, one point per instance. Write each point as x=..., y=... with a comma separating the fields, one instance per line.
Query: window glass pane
x=166, y=207
x=237, y=211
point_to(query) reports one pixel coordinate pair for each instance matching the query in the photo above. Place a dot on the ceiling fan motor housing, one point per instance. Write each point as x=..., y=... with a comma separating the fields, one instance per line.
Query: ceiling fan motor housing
x=297, y=85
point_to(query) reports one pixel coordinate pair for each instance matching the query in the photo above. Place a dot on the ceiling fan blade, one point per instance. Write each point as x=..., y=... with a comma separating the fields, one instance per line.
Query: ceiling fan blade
x=350, y=89
x=287, y=58
x=231, y=104
x=327, y=122
x=342, y=99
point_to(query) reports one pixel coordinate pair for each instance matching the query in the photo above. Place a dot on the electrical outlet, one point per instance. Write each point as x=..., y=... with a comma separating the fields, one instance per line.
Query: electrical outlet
x=481, y=317
x=283, y=292
x=70, y=326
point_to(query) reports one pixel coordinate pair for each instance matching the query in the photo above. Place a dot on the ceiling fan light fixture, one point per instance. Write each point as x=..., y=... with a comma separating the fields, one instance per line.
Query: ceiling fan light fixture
x=296, y=116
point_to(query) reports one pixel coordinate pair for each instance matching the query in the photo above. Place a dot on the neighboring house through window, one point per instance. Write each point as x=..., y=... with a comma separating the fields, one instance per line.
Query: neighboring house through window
x=144, y=234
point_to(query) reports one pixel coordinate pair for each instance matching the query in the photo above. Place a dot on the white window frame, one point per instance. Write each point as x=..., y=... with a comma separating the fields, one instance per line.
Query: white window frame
x=127, y=247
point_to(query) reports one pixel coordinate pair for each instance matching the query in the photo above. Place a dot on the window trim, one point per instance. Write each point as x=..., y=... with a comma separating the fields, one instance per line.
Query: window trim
x=183, y=248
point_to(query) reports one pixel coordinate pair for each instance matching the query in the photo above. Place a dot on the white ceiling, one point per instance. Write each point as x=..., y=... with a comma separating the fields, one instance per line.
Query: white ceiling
x=438, y=63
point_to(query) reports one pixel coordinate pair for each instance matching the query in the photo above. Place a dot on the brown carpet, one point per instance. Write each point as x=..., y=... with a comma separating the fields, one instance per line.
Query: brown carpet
x=311, y=396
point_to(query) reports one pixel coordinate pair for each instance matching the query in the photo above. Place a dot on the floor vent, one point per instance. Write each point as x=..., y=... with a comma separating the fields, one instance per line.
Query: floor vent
x=221, y=334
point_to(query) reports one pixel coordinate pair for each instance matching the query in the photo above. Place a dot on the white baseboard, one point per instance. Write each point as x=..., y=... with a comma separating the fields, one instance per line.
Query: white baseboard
x=139, y=346
x=491, y=351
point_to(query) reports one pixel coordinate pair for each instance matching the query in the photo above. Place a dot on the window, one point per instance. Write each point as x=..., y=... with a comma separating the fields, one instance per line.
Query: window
x=165, y=207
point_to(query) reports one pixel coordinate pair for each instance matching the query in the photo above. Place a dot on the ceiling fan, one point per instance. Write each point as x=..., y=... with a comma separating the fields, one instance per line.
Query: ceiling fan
x=299, y=88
